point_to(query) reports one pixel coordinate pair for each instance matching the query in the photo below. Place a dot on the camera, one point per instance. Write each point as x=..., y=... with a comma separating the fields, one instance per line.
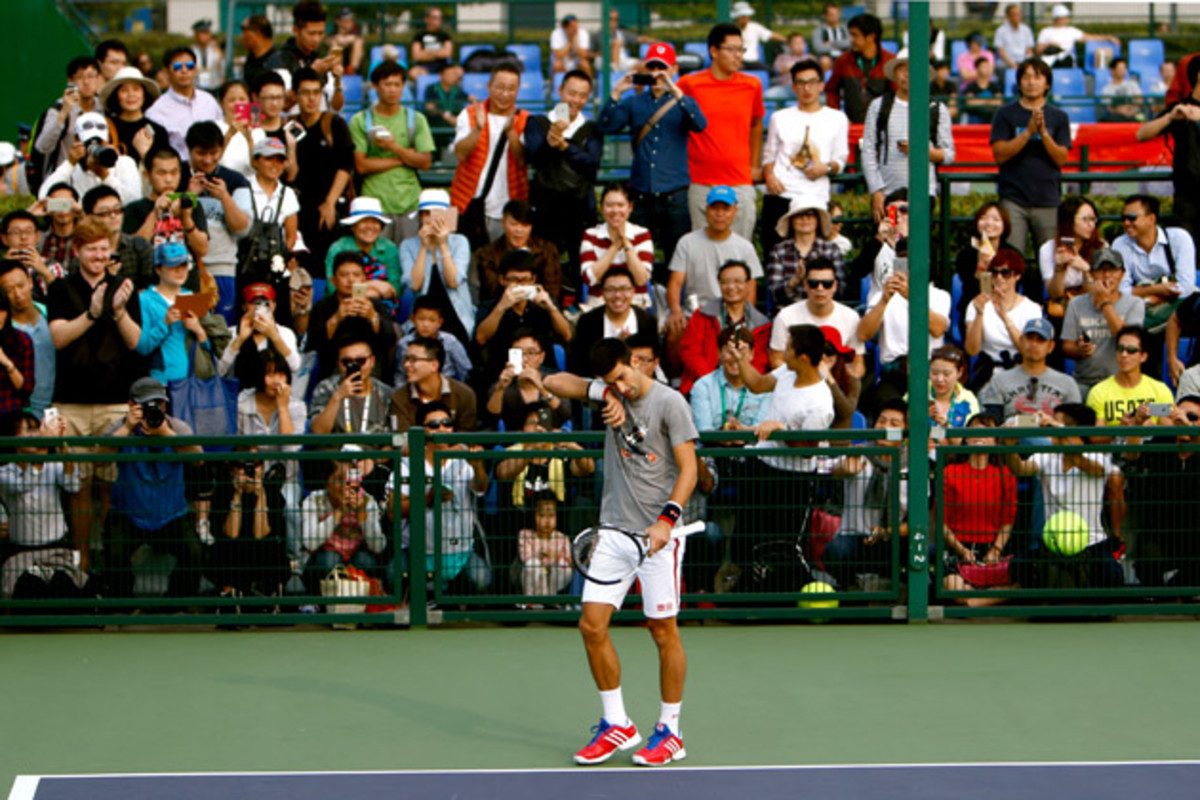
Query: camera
x=249, y=468
x=102, y=154
x=153, y=416
x=644, y=79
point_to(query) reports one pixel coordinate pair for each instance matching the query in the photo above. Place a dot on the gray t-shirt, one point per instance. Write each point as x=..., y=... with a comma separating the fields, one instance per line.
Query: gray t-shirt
x=1082, y=316
x=699, y=257
x=1021, y=393
x=639, y=462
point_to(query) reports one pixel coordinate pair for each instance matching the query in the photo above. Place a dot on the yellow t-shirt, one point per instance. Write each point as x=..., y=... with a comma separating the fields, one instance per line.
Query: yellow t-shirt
x=1111, y=401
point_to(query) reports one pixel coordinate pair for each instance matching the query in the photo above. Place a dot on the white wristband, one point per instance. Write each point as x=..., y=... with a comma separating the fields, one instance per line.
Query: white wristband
x=596, y=391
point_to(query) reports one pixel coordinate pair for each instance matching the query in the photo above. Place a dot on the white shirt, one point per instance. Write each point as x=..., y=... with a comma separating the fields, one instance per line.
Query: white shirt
x=124, y=177
x=996, y=338
x=1072, y=279
x=828, y=140
x=842, y=317
x=628, y=328
x=893, y=331
x=1066, y=38
x=31, y=497
x=265, y=203
x=754, y=36
x=583, y=41
x=1074, y=490
x=806, y=409
x=498, y=196
x=237, y=152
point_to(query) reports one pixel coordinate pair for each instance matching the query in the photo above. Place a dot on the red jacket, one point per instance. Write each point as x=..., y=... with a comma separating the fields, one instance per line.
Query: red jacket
x=698, y=347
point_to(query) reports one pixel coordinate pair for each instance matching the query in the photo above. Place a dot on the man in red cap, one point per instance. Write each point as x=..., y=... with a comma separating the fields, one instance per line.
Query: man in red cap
x=257, y=325
x=660, y=121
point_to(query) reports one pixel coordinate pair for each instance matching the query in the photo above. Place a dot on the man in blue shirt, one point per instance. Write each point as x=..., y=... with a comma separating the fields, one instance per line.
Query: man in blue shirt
x=149, y=500
x=659, y=177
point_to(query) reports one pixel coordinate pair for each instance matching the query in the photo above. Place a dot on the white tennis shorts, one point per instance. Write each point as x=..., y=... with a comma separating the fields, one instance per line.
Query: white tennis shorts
x=659, y=575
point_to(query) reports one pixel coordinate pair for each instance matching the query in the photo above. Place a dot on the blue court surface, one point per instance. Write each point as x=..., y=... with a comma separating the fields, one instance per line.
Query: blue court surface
x=1146, y=780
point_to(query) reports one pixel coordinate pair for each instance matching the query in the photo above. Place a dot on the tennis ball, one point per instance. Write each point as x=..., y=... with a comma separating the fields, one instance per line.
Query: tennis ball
x=817, y=587
x=1066, y=533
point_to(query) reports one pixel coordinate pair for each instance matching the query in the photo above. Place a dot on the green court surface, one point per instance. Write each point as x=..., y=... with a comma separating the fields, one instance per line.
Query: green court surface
x=91, y=702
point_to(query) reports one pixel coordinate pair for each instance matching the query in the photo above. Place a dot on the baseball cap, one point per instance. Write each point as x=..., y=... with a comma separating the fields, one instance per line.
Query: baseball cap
x=661, y=52
x=1039, y=327
x=721, y=194
x=833, y=338
x=202, y=25
x=1059, y=10
x=270, y=148
x=256, y=291
x=568, y=19
x=1107, y=257
x=91, y=126
x=8, y=153
x=170, y=254
x=147, y=390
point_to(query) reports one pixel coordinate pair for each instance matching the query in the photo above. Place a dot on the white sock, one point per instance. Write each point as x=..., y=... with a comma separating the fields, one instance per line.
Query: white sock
x=614, y=707
x=670, y=716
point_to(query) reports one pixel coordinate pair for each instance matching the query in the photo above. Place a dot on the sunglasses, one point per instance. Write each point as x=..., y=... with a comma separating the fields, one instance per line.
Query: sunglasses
x=439, y=423
x=1126, y=349
x=1002, y=273
x=1130, y=217
x=180, y=66
x=822, y=283
x=351, y=363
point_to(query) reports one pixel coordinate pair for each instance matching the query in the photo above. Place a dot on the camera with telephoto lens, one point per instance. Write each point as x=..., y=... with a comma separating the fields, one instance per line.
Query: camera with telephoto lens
x=153, y=415
x=102, y=154
x=250, y=468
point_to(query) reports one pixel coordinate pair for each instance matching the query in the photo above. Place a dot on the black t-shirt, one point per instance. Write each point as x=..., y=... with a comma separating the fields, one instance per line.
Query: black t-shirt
x=1030, y=178
x=137, y=211
x=97, y=367
x=256, y=66
x=980, y=114
x=433, y=40
x=319, y=160
x=495, y=352
x=127, y=130
x=1185, y=142
x=383, y=343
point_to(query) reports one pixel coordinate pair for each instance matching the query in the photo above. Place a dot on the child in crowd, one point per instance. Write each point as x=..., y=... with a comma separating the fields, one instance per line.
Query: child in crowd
x=545, y=551
x=426, y=322
x=164, y=324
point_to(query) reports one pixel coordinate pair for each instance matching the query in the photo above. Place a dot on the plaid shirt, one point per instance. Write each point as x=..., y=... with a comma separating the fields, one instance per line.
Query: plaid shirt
x=20, y=351
x=784, y=262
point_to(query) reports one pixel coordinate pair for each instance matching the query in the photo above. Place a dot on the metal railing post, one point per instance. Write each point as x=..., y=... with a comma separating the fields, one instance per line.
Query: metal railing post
x=417, y=595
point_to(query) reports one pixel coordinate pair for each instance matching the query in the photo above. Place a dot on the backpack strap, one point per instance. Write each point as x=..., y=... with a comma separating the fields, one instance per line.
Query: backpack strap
x=410, y=123
x=881, y=125
x=1170, y=255
x=327, y=128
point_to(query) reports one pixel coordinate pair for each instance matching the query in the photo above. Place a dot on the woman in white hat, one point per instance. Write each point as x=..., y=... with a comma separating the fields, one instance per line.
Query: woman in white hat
x=435, y=261
x=125, y=99
x=366, y=222
x=805, y=230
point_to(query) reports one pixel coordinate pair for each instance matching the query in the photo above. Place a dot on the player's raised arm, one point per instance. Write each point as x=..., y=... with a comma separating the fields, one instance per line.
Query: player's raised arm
x=596, y=392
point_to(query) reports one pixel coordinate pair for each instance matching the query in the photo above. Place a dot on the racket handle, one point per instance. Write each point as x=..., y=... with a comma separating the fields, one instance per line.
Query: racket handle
x=688, y=530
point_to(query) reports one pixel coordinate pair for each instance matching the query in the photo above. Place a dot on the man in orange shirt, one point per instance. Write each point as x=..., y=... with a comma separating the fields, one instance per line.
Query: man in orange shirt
x=729, y=151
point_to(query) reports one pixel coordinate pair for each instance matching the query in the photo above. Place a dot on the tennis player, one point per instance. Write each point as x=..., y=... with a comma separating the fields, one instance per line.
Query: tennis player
x=650, y=472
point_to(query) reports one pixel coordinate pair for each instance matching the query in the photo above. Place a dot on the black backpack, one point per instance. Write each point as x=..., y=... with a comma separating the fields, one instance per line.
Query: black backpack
x=487, y=60
x=257, y=252
x=885, y=113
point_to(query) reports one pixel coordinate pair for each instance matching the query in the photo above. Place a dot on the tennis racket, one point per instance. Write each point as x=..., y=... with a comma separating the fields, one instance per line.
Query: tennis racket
x=587, y=543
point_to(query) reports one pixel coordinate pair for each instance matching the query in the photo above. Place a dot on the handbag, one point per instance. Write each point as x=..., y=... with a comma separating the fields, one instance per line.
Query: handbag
x=208, y=406
x=985, y=576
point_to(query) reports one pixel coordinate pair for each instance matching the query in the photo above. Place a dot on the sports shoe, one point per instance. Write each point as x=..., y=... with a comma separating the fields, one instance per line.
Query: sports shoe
x=663, y=748
x=608, y=739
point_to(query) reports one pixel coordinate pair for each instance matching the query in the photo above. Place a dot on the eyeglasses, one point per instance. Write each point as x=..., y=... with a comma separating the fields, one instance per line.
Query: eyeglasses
x=901, y=208
x=180, y=66
x=732, y=283
x=807, y=81
x=531, y=351
x=618, y=290
x=439, y=423
x=109, y=213
x=411, y=359
x=1002, y=273
x=271, y=98
x=823, y=283
x=1121, y=348
x=351, y=363
x=732, y=48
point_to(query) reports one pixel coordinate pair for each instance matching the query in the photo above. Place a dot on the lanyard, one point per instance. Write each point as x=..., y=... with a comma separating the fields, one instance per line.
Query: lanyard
x=366, y=413
x=737, y=411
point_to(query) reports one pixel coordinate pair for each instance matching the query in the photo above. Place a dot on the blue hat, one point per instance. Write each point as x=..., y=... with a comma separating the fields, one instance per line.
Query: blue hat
x=721, y=194
x=170, y=254
x=1039, y=327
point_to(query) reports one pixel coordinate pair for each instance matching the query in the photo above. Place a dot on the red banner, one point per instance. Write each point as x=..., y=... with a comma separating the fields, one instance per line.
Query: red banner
x=1106, y=142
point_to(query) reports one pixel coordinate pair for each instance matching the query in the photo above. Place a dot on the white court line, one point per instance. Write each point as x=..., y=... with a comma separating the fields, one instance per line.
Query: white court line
x=24, y=787
x=24, y=781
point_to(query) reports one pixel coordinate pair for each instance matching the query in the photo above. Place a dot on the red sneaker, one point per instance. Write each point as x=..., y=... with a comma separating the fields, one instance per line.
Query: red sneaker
x=608, y=740
x=663, y=748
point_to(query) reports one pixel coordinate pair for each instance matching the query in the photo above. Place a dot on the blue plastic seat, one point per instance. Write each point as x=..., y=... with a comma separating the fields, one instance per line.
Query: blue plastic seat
x=466, y=50
x=956, y=293
x=476, y=84
x=1089, y=54
x=763, y=76
x=698, y=49
x=1010, y=83
x=1145, y=55
x=352, y=90
x=529, y=53
x=1081, y=114
x=957, y=48
x=1069, y=83
x=533, y=87
x=1100, y=80
x=423, y=83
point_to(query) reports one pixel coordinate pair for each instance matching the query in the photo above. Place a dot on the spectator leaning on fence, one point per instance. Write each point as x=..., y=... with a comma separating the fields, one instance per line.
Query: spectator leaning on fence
x=885, y=147
x=1093, y=319
x=806, y=144
x=1031, y=141
x=728, y=151
x=660, y=122
x=858, y=77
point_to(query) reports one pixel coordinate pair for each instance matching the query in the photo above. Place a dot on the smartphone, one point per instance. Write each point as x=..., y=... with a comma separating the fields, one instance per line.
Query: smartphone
x=985, y=283
x=1026, y=420
x=644, y=79
x=50, y=417
x=516, y=359
x=380, y=132
x=1083, y=337
x=900, y=266
x=893, y=215
x=1068, y=242
x=241, y=111
x=354, y=476
x=561, y=113
x=335, y=49
x=297, y=130
x=262, y=311
x=528, y=292
x=58, y=205
x=1160, y=409
x=359, y=291
x=448, y=215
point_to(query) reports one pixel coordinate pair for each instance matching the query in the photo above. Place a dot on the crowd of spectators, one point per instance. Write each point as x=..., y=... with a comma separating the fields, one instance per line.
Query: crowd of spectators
x=254, y=233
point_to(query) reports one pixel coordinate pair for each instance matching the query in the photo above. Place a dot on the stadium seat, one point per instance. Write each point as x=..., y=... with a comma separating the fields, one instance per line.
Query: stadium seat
x=476, y=84
x=1069, y=83
x=763, y=76
x=1089, y=55
x=957, y=48
x=533, y=87
x=891, y=47
x=377, y=55
x=352, y=90
x=465, y=51
x=642, y=48
x=529, y=53
x=698, y=49
x=1100, y=80
x=1145, y=56
x=1010, y=83
x=423, y=83
x=1147, y=81
x=1081, y=114
x=956, y=292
